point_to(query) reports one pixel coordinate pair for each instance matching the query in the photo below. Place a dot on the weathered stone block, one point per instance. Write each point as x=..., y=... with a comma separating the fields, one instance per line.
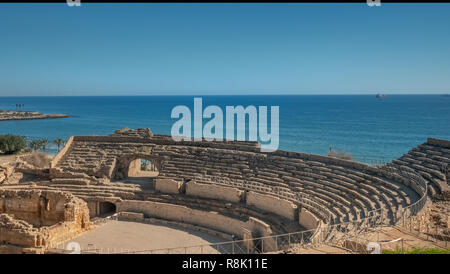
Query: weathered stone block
x=131, y=216
x=307, y=219
x=211, y=191
x=272, y=204
x=168, y=186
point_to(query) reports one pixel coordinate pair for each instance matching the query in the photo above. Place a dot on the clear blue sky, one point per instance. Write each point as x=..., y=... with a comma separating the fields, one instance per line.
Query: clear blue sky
x=137, y=49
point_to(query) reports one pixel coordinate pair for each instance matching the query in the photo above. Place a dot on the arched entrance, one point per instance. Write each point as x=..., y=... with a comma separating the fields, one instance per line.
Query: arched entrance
x=142, y=168
x=138, y=168
x=106, y=208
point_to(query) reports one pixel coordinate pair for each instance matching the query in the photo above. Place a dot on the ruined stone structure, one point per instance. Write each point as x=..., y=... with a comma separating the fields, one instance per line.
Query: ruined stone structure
x=234, y=188
x=31, y=221
x=5, y=172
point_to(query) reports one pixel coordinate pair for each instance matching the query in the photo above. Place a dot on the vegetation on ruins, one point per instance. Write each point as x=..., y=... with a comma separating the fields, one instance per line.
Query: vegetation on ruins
x=58, y=142
x=340, y=154
x=12, y=144
x=417, y=250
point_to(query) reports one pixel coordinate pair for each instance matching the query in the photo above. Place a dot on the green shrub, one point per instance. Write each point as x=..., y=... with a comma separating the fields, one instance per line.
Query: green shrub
x=417, y=250
x=34, y=145
x=27, y=150
x=11, y=144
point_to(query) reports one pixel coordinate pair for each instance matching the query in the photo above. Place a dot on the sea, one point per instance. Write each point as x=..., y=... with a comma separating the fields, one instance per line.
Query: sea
x=368, y=128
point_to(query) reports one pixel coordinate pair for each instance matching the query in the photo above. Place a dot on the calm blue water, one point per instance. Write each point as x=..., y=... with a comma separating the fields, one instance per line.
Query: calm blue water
x=358, y=124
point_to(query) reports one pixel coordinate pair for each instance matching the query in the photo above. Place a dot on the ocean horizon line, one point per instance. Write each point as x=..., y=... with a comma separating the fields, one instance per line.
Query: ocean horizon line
x=193, y=95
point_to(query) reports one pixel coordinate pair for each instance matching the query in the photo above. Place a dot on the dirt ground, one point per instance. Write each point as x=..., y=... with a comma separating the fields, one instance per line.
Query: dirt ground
x=5, y=159
x=405, y=239
x=387, y=237
x=123, y=237
x=324, y=249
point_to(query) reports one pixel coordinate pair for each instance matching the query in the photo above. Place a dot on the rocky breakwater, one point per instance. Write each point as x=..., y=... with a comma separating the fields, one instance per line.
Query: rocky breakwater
x=6, y=115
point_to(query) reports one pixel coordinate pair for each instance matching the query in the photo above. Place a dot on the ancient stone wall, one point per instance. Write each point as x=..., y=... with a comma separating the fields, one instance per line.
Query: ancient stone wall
x=126, y=132
x=134, y=168
x=18, y=232
x=5, y=172
x=184, y=214
x=40, y=208
x=307, y=219
x=62, y=152
x=211, y=191
x=167, y=186
x=40, y=219
x=272, y=204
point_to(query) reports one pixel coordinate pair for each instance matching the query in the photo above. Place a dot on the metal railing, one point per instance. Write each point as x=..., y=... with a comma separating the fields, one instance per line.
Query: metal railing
x=375, y=218
x=248, y=246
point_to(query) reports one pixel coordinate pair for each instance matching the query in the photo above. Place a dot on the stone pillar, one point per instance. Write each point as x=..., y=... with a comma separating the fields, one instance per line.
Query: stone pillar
x=247, y=237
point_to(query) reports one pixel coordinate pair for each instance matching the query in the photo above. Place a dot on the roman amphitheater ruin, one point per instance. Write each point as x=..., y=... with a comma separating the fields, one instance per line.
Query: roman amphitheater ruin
x=257, y=202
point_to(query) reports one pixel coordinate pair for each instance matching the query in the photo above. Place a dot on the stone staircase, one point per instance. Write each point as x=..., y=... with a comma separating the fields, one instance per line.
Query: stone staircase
x=432, y=161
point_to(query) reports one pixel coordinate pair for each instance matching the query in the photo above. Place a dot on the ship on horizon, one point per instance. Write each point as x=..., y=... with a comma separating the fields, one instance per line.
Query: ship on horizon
x=381, y=96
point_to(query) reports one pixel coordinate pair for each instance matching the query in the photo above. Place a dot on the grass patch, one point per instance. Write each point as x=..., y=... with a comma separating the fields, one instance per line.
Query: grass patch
x=417, y=250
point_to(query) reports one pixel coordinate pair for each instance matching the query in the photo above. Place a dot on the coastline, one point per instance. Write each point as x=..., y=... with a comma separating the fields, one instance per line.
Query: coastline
x=16, y=115
x=362, y=126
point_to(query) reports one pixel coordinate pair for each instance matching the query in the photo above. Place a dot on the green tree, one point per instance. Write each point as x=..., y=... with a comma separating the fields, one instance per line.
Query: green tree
x=12, y=144
x=35, y=145
x=43, y=142
x=59, y=142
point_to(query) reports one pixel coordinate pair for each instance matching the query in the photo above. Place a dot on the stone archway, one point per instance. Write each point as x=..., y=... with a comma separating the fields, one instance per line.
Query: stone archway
x=140, y=168
x=137, y=165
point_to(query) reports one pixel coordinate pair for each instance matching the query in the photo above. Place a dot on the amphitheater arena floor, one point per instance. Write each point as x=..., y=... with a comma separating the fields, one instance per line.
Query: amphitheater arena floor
x=123, y=236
